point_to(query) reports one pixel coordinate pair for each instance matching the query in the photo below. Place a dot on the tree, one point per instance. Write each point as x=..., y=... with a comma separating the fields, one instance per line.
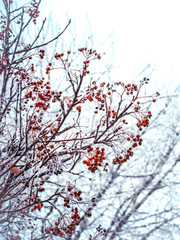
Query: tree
x=51, y=149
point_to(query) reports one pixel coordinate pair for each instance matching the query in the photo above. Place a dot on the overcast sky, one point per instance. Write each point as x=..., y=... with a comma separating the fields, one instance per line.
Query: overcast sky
x=143, y=32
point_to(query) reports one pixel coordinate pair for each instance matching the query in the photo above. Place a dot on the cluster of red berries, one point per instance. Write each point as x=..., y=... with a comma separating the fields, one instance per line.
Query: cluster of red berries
x=40, y=147
x=66, y=203
x=44, y=98
x=89, y=55
x=88, y=213
x=85, y=67
x=90, y=98
x=34, y=126
x=28, y=95
x=32, y=67
x=73, y=193
x=89, y=52
x=121, y=159
x=41, y=54
x=137, y=107
x=33, y=11
x=143, y=123
x=58, y=56
x=43, y=151
x=76, y=194
x=48, y=68
x=97, y=92
x=75, y=215
x=41, y=189
x=42, y=93
x=94, y=92
x=130, y=88
x=37, y=206
x=96, y=160
x=55, y=230
x=37, y=85
x=100, y=96
x=135, y=141
x=68, y=229
x=75, y=221
x=78, y=108
x=111, y=113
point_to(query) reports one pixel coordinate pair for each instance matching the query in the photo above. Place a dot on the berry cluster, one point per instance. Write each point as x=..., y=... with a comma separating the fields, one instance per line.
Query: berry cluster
x=89, y=52
x=68, y=227
x=135, y=141
x=144, y=122
x=95, y=158
x=41, y=189
x=41, y=54
x=33, y=11
x=37, y=206
x=75, y=194
x=48, y=68
x=95, y=92
x=89, y=55
x=66, y=203
x=58, y=56
x=88, y=213
x=54, y=230
x=130, y=88
x=85, y=67
x=111, y=113
x=78, y=108
x=74, y=221
x=72, y=193
x=39, y=91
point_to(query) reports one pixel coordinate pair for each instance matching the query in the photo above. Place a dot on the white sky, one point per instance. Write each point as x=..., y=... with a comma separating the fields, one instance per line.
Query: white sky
x=144, y=32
